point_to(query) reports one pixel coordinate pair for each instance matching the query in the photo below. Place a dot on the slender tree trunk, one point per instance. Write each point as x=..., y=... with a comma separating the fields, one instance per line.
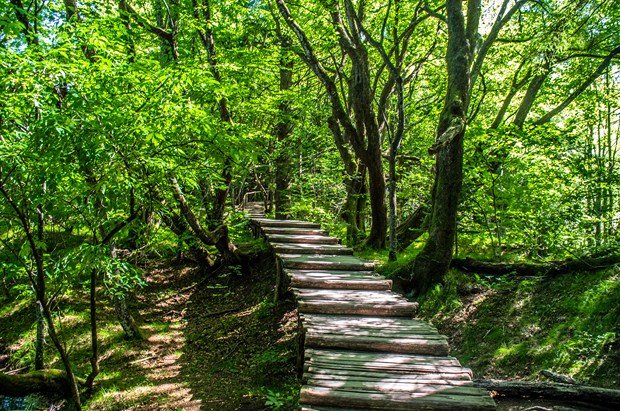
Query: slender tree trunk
x=528, y=99
x=40, y=341
x=283, y=132
x=94, y=341
x=122, y=312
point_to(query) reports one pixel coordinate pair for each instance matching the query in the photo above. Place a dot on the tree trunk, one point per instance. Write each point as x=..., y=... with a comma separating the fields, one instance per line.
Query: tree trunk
x=284, y=128
x=122, y=312
x=530, y=96
x=94, y=341
x=376, y=188
x=433, y=262
x=40, y=341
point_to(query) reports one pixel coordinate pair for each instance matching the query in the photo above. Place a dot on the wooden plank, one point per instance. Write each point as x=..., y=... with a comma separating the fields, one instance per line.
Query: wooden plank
x=476, y=399
x=301, y=281
x=304, y=239
x=350, y=308
x=317, y=379
x=294, y=231
x=342, y=274
x=348, y=322
x=266, y=222
x=361, y=357
x=431, y=346
x=318, y=262
x=326, y=366
x=327, y=249
x=414, y=371
x=420, y=386
x=364, y=357
x=372, y=332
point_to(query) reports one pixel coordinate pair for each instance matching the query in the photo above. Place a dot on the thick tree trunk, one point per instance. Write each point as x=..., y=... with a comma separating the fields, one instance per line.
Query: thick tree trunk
x=353, y=212
x=376, y=187
x=432, y=263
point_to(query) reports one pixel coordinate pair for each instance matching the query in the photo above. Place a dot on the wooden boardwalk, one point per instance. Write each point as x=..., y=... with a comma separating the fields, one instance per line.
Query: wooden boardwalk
x=361, y=346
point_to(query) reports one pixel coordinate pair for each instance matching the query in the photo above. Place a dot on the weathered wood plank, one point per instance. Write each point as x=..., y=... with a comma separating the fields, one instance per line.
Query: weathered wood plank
x=371, y=358
x=266, y=222
x=294, y=231
x=327, y=367
x=415, y=371
x=420, y=386
x=317, y=379
x=318, y=262
x=302, y=281
x=342, y=274
x=350, y=308
x=326, y=249
x=356, y=321
x=443, y=400
x=303, y=239
x=430, y=345
x=369, y=332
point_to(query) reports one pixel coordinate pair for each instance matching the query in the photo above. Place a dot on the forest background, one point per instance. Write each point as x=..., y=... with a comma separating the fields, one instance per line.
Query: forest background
x=129, y=128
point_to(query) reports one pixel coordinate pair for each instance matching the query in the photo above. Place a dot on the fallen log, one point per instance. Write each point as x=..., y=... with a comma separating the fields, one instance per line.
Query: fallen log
x=553, y=391
x=550, y=268
x=41, y=381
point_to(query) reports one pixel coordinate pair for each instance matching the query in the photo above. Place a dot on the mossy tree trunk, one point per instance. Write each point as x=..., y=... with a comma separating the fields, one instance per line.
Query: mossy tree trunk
x=433, y=261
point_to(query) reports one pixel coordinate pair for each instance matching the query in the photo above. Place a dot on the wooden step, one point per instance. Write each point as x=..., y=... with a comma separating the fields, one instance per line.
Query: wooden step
x=438, y=397
x=266, y=222
x=352, y=280
x=380, y=360
x=414, y=371
x=353, y=302
x=294, y=231
x=391, y=327
x=325, y=249
x=318, y=262
x=302, y=239
x=416, y=344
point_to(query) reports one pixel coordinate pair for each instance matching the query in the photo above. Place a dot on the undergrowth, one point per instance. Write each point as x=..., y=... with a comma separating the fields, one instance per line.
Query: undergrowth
x=504, y=327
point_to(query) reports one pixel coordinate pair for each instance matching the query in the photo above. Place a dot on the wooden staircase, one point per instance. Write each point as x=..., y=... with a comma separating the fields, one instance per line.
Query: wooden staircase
x=363, y=348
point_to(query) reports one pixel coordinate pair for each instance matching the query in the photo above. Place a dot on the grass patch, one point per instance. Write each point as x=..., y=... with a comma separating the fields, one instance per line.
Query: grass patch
x=508, y=328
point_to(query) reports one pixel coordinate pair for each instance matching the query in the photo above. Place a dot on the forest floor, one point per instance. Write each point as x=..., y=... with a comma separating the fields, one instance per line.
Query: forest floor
x=511, y=329
x=219, y=343
x=216, y=344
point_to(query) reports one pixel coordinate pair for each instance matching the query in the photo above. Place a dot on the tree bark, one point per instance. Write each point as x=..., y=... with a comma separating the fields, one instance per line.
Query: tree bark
x=431, y=264
x=530, y=96
x=284, y=129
